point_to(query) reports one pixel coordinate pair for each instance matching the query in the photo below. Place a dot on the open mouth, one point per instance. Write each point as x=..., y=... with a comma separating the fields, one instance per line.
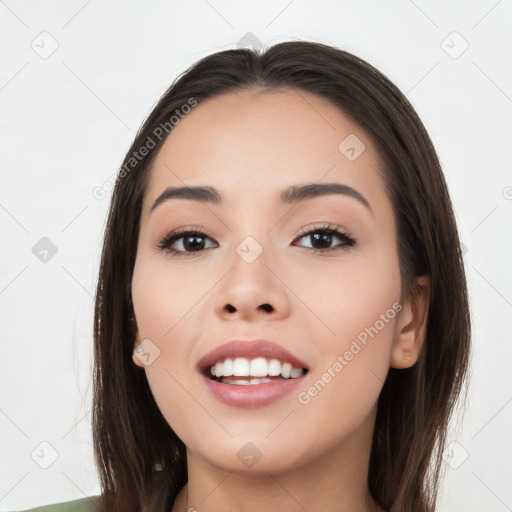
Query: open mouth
x=247, y=380
x=251, y=374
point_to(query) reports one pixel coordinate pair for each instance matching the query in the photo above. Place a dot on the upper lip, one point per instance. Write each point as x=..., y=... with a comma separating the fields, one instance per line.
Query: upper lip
x=249, y=349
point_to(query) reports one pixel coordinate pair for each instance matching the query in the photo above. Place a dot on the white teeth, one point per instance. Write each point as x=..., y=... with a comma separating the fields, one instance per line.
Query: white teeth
x=285, y=372
x=296, y=372
x=257, y=367
x=240, y=367
x=242, y=382
x=227, y=370
x=274, y=368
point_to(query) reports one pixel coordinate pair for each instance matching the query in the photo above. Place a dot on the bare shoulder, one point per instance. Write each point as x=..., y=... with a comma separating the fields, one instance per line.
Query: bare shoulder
x=89, y=504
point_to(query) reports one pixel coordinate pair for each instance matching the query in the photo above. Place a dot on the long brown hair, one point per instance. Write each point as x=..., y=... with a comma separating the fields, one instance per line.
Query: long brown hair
x=141, y=461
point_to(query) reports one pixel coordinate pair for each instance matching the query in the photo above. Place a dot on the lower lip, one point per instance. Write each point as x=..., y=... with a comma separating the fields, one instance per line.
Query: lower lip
x=254, y=395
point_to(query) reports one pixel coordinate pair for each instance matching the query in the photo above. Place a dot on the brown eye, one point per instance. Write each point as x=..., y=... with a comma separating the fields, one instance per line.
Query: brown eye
x=322, y=237
x=186, y=242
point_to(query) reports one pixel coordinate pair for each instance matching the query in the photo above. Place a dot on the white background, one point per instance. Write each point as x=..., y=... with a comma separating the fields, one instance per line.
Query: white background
x=67, y=121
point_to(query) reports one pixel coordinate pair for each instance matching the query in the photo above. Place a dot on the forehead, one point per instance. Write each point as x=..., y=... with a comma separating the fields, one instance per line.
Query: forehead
x=252, y=144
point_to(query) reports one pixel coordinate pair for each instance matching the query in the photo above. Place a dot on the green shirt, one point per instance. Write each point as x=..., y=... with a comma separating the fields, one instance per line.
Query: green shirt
x=81, y=505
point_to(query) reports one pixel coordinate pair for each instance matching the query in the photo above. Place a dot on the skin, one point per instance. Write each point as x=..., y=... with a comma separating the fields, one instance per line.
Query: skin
x=250, y=146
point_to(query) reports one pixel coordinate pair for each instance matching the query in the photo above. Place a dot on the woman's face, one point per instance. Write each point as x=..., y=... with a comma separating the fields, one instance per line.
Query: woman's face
x=253, y=274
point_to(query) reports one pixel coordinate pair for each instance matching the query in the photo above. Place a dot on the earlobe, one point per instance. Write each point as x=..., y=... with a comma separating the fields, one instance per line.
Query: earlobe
x=412, y=325
x=136, y=360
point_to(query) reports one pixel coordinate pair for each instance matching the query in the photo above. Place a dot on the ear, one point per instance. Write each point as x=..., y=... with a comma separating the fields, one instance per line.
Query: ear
x=412, y=325
x=137, y=339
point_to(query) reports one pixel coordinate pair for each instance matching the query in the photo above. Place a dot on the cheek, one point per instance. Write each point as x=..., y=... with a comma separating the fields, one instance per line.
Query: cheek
x=348, y=295
x=167, y=312
x=358, y=305
x=167, y=302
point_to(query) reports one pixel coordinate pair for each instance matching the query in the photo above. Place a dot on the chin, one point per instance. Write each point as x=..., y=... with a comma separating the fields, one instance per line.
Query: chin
x=256, y=457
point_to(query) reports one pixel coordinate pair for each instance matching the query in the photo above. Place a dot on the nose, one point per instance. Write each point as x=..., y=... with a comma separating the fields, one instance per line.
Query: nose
x=251, y=291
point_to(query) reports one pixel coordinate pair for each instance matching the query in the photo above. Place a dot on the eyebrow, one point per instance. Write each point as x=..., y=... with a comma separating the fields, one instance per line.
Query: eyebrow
x=291, y=195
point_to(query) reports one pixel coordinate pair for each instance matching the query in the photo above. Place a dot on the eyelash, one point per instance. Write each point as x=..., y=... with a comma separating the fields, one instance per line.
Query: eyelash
x=344, y=235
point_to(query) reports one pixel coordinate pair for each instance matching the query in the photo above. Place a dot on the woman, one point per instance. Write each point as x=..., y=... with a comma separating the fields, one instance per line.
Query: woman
x=281, y=318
